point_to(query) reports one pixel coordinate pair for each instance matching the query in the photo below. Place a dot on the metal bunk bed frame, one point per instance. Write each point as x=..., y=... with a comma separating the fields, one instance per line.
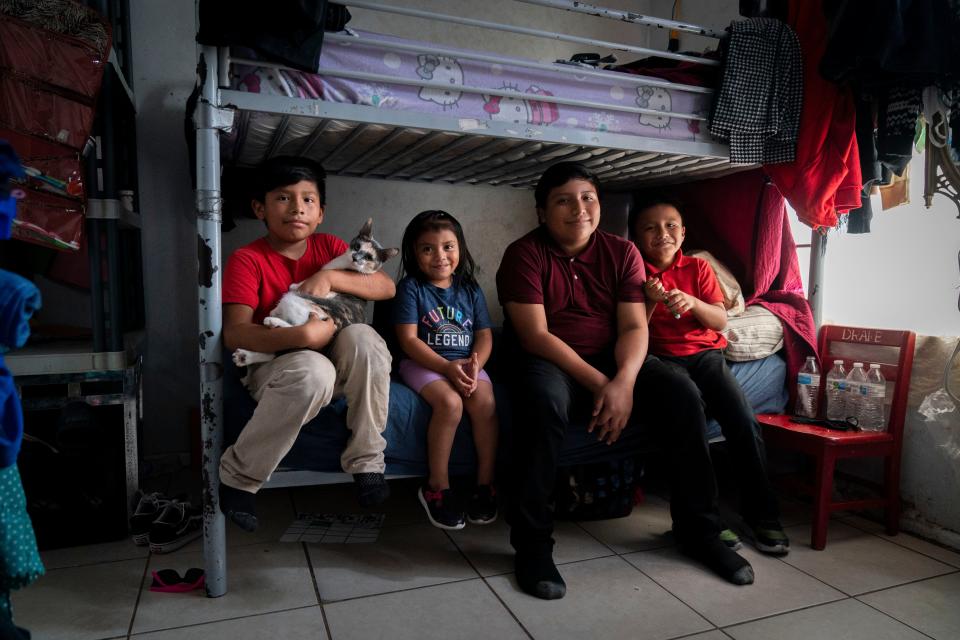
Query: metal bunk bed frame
x=437, y=148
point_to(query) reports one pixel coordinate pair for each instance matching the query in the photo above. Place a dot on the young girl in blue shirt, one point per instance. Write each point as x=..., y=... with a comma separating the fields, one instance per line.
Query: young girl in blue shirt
x=443, y=328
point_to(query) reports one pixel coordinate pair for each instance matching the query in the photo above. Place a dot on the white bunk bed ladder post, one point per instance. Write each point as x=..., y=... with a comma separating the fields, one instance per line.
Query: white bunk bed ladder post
x=209, y=120
x=818, y=249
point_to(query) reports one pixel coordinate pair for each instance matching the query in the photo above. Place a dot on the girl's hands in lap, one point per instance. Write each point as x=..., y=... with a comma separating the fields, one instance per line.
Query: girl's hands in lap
x=458, y=372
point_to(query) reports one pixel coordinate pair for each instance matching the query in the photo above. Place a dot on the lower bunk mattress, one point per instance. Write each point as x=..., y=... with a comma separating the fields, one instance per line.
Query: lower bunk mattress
x=322, y=439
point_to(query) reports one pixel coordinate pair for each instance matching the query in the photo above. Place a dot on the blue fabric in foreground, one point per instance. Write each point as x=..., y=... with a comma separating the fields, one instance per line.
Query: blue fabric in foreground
x=322, y=439
x=19, y=298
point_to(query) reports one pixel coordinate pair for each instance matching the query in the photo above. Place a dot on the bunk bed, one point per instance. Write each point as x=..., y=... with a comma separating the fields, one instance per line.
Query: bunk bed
x=383, y=107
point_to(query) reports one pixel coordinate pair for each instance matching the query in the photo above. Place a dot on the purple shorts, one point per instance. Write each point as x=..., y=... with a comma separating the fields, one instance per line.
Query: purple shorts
x=417, y=377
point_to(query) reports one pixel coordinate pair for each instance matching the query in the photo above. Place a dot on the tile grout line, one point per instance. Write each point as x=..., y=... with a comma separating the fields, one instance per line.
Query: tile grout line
x=897, y=543
x=316, y=590
x=892, y=617
x=313, y=573
x=490, y=587
x=218, y=621
x=136, y=603
x=672, y=594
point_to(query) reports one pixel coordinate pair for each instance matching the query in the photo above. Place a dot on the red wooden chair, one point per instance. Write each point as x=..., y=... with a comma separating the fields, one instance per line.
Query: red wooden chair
x=893, y=350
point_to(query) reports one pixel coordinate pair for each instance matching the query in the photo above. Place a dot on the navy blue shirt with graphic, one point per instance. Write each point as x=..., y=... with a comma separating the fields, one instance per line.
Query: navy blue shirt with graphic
x=446, y=319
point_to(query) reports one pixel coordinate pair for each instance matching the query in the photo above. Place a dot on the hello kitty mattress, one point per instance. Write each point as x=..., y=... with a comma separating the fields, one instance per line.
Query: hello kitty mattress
x=533, y=83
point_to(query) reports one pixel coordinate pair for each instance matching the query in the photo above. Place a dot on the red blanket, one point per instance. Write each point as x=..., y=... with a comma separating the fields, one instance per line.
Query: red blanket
x=742, y=220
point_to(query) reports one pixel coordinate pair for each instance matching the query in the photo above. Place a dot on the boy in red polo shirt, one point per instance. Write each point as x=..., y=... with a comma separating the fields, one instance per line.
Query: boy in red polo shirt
x=685, y=313
x=315, y=365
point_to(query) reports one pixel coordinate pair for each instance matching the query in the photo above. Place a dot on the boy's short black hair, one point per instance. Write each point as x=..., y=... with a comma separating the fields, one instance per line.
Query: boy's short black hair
x=559, y=175
x=282, y=171
x=648, y=199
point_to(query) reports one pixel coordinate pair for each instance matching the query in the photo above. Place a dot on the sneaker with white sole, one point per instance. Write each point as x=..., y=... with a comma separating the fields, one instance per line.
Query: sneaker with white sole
x=731, y=539
x=770, y=538
x=178, y=524
x=442, y=507
x=149, y=506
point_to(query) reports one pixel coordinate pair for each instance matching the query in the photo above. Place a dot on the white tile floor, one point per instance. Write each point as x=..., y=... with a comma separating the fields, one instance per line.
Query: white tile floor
x=625, y=580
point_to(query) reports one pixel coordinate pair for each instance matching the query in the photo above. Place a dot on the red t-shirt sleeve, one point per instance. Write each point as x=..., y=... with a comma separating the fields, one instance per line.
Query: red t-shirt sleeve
x=709, y=286
x=333, y=246
x=241, y=279
x=520, y=276
x=633, y=276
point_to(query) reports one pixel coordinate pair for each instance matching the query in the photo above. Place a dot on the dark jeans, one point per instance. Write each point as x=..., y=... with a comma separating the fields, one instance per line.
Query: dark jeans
x=726, y=403
x=667, y=404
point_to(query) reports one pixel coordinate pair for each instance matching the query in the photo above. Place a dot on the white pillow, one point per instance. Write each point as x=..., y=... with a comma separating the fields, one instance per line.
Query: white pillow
x=754, y=334
x=732, y=295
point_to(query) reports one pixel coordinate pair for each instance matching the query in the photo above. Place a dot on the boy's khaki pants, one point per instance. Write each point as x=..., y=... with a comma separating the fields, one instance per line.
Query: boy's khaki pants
x=291, y=389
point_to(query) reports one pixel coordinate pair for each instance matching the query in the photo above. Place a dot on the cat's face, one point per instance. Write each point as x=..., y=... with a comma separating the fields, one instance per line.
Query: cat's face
x=368, y=255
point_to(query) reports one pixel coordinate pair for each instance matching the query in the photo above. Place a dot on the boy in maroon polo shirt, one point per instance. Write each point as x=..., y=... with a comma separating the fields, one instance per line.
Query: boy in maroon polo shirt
x=316, y=366
x=573, y=297
x=686, y=314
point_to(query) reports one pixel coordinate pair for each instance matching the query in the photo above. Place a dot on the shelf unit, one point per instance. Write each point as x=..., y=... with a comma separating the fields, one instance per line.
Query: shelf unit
x=106, y=368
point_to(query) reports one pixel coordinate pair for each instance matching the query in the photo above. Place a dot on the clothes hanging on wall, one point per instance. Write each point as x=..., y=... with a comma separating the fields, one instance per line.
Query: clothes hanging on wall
x=289, y=32
x=890, y=51
x=758, y=106
x=825, y=178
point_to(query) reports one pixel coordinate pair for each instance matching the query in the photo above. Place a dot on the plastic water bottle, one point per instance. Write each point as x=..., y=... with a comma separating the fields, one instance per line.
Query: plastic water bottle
x=808, y=389
x=855, y=379
x=871, y=401
x=836, y=390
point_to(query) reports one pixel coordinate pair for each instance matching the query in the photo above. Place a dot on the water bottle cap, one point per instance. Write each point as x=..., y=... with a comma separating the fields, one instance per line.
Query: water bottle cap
x=874, y=366
x=838, y=362
x=858, y=364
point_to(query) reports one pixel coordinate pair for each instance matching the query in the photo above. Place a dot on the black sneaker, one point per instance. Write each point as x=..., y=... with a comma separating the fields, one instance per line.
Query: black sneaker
x=769, y=537
x=731, y=539
x=482, y=508
x=442, y=508
x=178, y=524
x=149, y=506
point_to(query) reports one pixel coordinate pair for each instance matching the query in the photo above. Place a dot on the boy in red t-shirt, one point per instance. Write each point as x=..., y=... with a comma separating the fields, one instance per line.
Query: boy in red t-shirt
x=685, y=313
x=291, y=389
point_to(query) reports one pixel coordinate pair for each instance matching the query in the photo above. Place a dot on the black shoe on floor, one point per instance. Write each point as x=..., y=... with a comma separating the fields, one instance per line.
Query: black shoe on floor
x=537, y=574
x=769, y=537
x=721, y=559
x=442, y=507
x=482, y=507
x=239, y=506
x=372, y=489
x=178, y=524
x=149, y=506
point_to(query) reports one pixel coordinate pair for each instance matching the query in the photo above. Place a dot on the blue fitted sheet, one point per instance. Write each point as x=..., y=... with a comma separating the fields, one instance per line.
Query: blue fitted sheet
x=322, y=439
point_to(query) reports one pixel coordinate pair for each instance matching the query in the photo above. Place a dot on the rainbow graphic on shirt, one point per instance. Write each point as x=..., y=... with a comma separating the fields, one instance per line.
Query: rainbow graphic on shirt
x=447, y=327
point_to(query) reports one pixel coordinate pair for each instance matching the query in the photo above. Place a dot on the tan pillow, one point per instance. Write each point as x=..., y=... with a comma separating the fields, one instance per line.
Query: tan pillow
x=754, y=334
x=732, y=295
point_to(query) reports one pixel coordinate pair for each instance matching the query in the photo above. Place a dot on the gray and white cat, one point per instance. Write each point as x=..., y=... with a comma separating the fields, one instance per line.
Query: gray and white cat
x=365, y=255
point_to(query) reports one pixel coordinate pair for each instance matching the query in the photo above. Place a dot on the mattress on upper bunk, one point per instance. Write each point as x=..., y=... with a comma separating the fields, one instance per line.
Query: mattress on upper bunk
x=530, y=110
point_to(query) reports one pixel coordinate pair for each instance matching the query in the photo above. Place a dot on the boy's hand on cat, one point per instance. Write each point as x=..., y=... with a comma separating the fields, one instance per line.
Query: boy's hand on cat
x=318, y=285
x=678, y=302
x=316, y=332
